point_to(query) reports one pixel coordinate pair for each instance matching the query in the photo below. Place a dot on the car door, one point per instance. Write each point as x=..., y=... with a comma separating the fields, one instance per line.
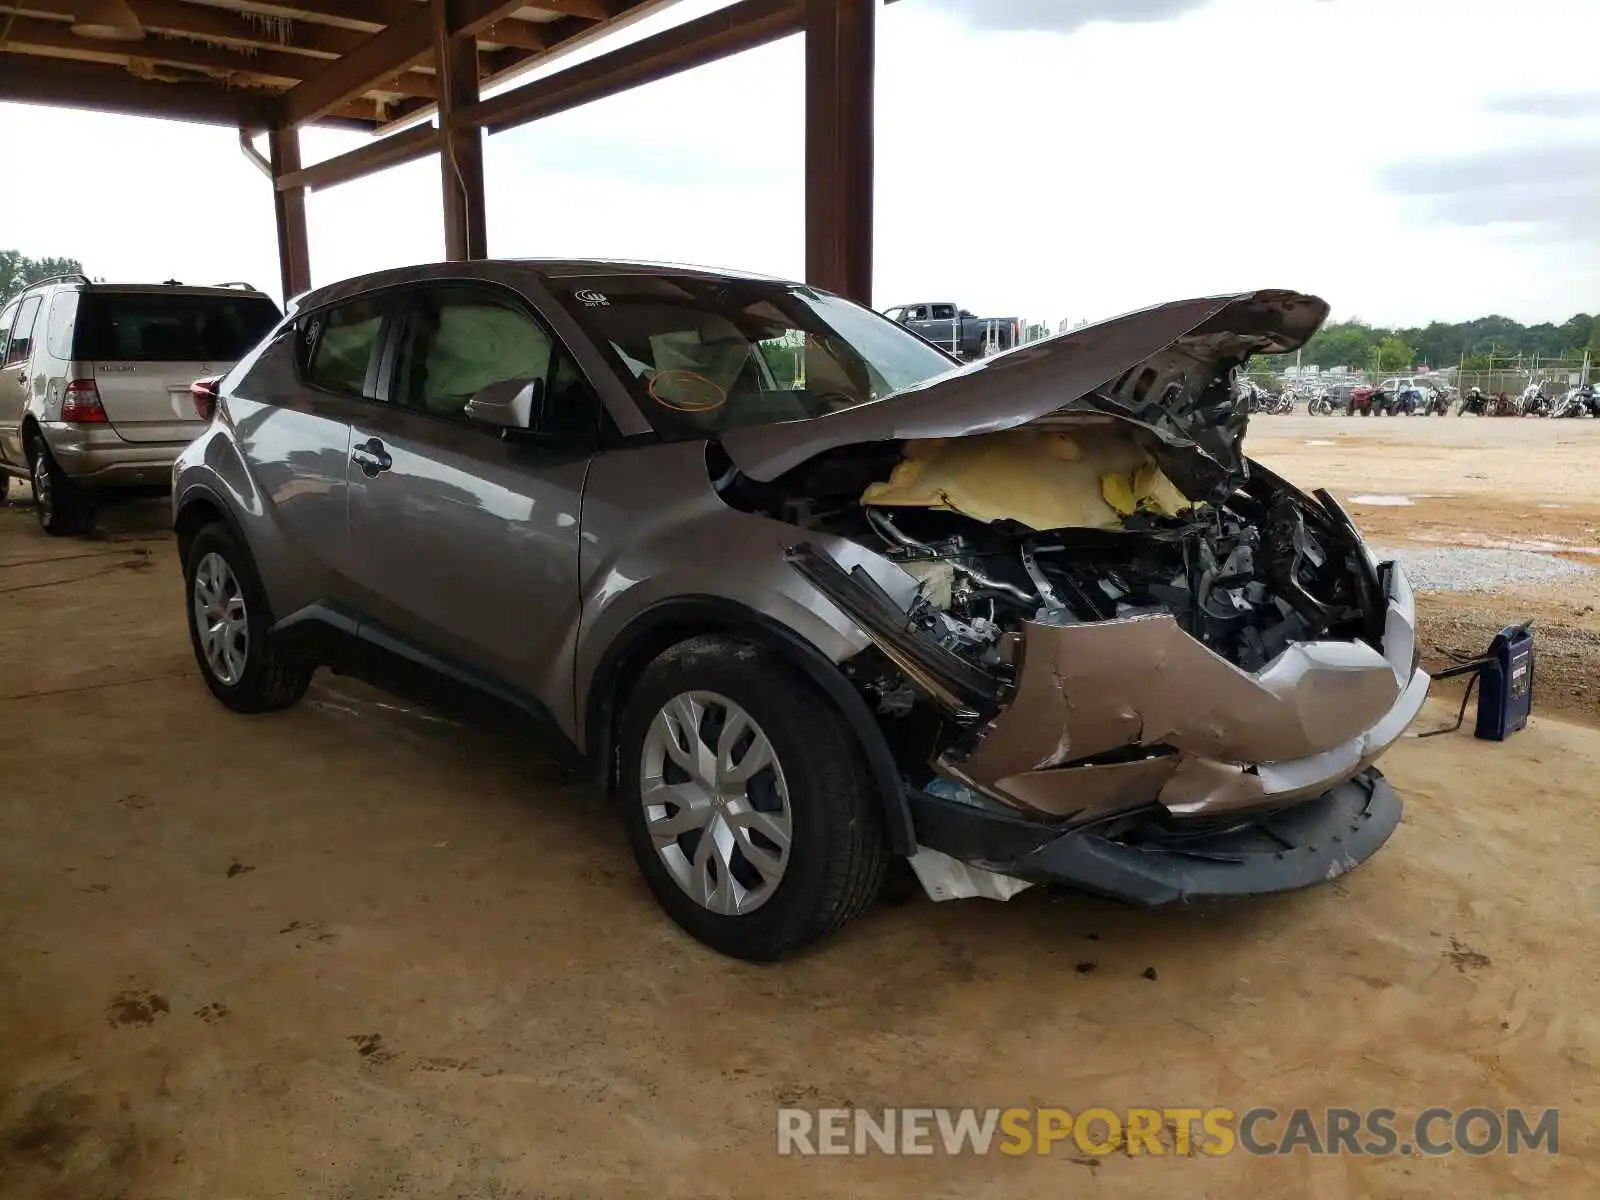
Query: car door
x=11, y=397
x=464, y=536
x=16, y=384
x=942, y=326
x=916, y=317
x=291, y=405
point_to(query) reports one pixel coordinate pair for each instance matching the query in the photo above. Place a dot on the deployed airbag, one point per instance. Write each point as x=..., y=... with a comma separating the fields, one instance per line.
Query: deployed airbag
x=1044, y=479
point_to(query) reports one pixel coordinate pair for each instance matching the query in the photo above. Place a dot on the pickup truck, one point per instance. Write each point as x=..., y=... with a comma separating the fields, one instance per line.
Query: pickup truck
x=955, y=329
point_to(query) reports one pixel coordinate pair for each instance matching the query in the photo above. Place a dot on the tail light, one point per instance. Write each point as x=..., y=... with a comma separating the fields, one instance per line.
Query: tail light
x=80, y=404
x=204, y=394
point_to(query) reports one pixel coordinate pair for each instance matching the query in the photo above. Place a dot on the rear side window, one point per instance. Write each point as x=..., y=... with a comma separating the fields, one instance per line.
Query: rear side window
x=337, y=346
x=20, y=347
x=170, y=326
x=944, y=312
x=7, y=315
x=58, y=331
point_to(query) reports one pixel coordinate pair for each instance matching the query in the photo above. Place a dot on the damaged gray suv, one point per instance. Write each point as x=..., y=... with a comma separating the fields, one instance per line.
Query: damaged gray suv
x=807, y=595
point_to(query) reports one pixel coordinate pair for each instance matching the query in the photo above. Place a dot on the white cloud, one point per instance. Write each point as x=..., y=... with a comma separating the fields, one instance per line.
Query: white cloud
x=1204, y=146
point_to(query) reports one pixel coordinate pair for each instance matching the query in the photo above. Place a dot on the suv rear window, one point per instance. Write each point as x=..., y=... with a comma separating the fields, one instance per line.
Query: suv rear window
x=170, y=326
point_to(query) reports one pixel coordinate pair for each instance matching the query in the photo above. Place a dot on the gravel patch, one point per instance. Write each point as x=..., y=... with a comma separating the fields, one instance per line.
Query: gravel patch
x=1459, y=569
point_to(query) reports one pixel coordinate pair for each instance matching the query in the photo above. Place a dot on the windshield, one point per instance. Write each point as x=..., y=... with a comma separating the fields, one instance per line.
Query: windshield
x=170, y=326
x=702, y=354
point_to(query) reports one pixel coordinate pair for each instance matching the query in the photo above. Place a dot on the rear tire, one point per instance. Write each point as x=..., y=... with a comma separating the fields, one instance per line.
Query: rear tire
x=238, y=658
x=64, y=509
x=817, y=794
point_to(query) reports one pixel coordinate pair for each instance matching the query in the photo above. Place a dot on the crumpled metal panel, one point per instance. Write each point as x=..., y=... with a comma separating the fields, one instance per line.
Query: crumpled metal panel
x=1190, y=785
x=1089, y=689
x=1091, y=790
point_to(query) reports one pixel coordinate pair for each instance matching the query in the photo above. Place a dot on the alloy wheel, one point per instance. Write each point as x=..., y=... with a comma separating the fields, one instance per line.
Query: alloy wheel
x=42, y=494
x=220, y=619
x=715, y=802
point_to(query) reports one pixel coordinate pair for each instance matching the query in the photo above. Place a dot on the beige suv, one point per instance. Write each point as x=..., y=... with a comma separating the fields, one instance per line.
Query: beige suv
x=94, y=383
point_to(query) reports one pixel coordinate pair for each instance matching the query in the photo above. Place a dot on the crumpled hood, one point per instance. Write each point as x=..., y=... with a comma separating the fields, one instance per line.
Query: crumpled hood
x=1096, y=368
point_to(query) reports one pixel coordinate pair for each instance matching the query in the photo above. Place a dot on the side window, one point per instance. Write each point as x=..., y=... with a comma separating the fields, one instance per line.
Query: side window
x=460, y=339
x=58, y=329
x=21, y=345
x=944, y=312
x=917, y=312
x=6, y=317
x=336, y=346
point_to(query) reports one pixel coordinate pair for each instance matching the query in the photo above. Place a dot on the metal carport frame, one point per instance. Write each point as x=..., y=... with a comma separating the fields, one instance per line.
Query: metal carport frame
x=383, y=65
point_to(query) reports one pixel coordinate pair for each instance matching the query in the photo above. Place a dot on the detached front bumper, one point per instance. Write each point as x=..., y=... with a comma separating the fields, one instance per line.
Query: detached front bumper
x=1154, y=863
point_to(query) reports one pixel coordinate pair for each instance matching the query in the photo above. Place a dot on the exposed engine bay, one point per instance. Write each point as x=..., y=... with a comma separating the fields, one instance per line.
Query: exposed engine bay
x=1246, y=576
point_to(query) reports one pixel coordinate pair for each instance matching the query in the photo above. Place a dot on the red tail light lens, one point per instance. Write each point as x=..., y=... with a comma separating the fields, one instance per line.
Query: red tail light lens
x=204, y=394
x=80, y=404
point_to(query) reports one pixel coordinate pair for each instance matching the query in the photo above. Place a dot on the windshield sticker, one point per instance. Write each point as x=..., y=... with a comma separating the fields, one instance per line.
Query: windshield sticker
x=590, y=298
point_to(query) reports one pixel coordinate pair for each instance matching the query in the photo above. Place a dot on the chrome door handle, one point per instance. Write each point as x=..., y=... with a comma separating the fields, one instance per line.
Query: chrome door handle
x=371, y=457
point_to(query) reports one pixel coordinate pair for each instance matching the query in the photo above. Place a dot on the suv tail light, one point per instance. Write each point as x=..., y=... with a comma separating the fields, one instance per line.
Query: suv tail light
x=80, y=404
x=204, y=394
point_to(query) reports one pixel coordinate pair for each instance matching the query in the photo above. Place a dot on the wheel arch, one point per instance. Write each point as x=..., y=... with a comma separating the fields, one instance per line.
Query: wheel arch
x=198, y=507
x=664, y=625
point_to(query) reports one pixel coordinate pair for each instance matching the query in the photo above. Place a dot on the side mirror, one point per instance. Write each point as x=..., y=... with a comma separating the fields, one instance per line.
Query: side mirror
x=508, y=403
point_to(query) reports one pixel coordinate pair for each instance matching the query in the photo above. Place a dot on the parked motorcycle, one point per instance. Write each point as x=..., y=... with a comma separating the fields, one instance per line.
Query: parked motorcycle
x=1475, y=402
x=1322, y=404
x=1504, y=406
x=1434, y=403
x=1286, y=401
x=1534, y=402
x=1575, y=402
x=1408, y=402
x=1366, y=401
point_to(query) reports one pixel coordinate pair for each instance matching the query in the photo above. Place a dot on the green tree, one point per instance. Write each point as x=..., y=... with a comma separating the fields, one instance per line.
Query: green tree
x=17, y=271
x=1392, y=354
x=1340, y=344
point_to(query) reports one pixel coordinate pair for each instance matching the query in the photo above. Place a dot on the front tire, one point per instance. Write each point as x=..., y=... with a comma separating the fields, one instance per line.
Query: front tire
x=230, y=628
x=747, y=799
x=64, y=509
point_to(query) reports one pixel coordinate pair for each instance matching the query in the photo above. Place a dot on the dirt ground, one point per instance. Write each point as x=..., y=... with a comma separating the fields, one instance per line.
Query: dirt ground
x=1472, y=481
x=352, y=951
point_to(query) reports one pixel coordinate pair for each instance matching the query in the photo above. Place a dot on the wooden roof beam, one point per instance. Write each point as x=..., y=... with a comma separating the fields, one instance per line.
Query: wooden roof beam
x=399, y=46
x=111, y=89
x=390, y=151
x=728, y=31
x=30, y=33
x=372, y=15
x=589, y=10
x=213, y=24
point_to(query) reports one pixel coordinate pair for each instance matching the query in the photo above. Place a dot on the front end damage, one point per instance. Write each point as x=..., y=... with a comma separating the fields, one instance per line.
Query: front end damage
x=1123, y=657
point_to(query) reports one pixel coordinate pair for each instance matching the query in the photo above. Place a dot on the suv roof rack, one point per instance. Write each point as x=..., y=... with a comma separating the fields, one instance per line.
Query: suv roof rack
x=238, y=283
x=70, y=277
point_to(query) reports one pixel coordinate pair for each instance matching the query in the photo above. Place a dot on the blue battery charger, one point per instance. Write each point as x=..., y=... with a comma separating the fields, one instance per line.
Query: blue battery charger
x=1504, y=677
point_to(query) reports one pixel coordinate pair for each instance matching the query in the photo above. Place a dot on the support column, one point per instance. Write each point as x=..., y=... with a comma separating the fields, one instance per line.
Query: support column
x=289, y=204
x=839, y=145
x=466, y=233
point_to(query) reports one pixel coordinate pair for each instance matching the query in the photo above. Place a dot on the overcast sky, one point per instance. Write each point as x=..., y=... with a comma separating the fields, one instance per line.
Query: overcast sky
x=1407, y=159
